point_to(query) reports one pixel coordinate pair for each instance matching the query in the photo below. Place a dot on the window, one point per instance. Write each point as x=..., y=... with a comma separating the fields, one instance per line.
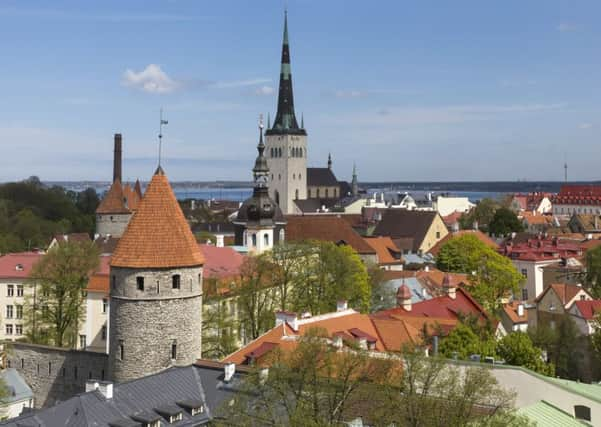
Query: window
x=105, y=304
x=19, y=311
x=121, y=350
x=317, y=193
x=103, y=332
x=9, y=311
x=525, y=273
x=582, y=297
x=22, y=363
x=293, y=176
x=524, y=294
x=327, y=191
x=140, y=283
x=18, y=329
x=82, y=341
x=438, y=234
x=582, y=412
x=173, y=351
x=175, y=418
x=49, y=368
x=296, y=194
x=10, y=290
x=266, y=240
x=254, y=240
x=9, y=329
x=19, y=290
x=176, y=281
x=196, y=411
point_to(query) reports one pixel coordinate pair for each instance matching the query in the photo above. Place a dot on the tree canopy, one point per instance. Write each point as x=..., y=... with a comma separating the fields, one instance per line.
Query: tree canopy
x=493, y=275
x=593, y=271
x=31, y=213
x=59, y=279
x=504, y=222
x=481, y=215
x=516, y=348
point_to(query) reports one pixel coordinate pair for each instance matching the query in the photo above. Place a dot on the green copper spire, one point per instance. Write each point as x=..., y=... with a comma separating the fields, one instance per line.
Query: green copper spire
x=285, y=120
x=268, y=121
x=302, y=120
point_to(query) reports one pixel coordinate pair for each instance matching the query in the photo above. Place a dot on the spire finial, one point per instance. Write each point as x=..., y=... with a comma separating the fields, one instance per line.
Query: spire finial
x=268, y=121
x=329, y=161
x=161, y=123
x=261, y=129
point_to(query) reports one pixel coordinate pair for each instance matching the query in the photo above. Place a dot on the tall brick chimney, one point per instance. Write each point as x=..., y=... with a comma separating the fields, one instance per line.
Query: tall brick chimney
x=117, y=158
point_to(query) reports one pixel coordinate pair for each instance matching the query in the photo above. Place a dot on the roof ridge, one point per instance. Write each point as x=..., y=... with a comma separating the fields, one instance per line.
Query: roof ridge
x=327, y=316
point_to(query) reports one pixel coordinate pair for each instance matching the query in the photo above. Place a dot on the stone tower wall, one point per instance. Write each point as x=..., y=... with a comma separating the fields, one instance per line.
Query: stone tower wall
x=113, y=224
x=287, y=173
x=146, y=323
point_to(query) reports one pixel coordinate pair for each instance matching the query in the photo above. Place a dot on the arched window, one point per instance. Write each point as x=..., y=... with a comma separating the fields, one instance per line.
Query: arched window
x=335, y=192
x=280, y=152
x=293, y=176
x=300, y=152
x=299, y=176
x=277, y=197
x=254, y=240
x=176, y=281
x=296, y=194
x=271, y=151
x=266, y=240
x=282, y=235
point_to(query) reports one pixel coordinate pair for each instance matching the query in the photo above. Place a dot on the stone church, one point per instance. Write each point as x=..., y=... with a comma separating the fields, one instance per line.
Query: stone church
x=292, y=185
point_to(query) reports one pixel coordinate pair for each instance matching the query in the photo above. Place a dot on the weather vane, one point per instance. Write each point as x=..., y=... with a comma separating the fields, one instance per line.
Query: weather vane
x=162, y=123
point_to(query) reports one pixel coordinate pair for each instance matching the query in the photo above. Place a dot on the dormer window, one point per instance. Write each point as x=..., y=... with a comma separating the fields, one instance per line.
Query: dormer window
x=171, y=413
x=192, y=406
x=19, y=267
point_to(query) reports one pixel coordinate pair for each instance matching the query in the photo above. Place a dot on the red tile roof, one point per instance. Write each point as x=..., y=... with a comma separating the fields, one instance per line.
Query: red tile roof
x=330, y=228
x=385, y=248
x=221, y=262
x=99, y=283
x=564, y=292
x=578, y=195
x=113, y=201
x=158, y=235
x=511, y=310
x=18, y=265
x=589, y=309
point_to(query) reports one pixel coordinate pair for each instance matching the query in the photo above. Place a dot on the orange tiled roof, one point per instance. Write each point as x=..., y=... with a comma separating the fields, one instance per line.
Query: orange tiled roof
x=158, y=235
x=536, y=218
x=511, y=310
x=98, y=283
x=131, y=197
x=384, y=247
x=113, y=201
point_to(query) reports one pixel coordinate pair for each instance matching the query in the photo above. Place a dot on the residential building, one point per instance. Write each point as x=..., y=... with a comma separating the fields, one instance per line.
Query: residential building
x=15, y=287
x=588, y=224
x=93, y=332
x=412, y=231
x=535, y=222
x=445, y=205
x=18, y=396
x=577, y=199
x=538, y=202
x=72, y=237
x=551, y=305
x=389, y=257
x=329, y=228
x=188, y=395
x=156, y=289
x=584, y=313
x=514, y=317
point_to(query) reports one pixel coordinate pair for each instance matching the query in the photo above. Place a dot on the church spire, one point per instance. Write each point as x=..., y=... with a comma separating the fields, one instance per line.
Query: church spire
x=285, y=120
x=261, y=170
x=330, y=161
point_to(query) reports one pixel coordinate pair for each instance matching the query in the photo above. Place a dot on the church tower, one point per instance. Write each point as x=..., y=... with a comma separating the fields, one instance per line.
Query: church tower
x=259, y=223
x=286, y=142
x=155, y=290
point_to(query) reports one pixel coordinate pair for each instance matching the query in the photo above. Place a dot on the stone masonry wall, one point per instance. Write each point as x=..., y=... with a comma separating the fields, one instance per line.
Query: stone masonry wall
x=55, y=374
x=113, y=224
x=146, y=323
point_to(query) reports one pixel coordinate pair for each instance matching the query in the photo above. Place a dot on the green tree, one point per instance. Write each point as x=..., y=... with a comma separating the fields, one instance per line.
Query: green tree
x=433, y=393
x=56, y=309
x=517, y=349
x=482, y=214
x=218, y=330
x=332, y=273
x=559, y=338
x=463, y=342
x=504, y=222
x=595, y=337
x=289, y=260
x=493, y=275
x=593, y=271
x=256, y=299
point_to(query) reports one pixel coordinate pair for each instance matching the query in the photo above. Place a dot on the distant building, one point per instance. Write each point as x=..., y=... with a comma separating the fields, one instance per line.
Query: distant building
x=577, y=199
x=120, y=201
x=18, y=397
x=554, y=302
x=537, y=202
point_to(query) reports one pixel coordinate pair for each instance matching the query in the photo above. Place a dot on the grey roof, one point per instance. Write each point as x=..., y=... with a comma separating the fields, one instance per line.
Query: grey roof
x=138, y=400
x=16, y=385
x=314, y=205
x=321, y=177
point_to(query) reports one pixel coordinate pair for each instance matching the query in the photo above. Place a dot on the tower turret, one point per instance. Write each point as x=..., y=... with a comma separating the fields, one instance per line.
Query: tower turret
x=354, y=183
x=156, y=289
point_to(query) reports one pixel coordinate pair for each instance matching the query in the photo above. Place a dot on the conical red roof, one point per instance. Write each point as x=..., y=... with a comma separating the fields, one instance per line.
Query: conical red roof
x=114, y=201
x=158, y=235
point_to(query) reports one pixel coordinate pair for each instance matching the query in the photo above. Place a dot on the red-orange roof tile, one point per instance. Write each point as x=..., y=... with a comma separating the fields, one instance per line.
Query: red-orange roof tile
x=511, y=310
x=18, y=265
x=589, y=309
x=385, y=248
x=221, y=262
x=113, y=201
x=158, y=235
x=565, y=292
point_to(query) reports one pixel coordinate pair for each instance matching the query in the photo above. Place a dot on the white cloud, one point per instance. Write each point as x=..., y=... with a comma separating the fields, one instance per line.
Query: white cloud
x=265, y=90
x=151, y=79
x=585, y=125
x=564, y=27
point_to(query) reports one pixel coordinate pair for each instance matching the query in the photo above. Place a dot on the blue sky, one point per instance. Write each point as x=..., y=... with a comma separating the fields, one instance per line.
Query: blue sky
x=409, y=90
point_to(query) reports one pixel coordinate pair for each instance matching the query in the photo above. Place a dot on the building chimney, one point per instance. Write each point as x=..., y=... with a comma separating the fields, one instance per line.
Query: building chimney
x=219, y=240
x=520, y=310
x=117, y=158
x=449, y=287
x=104, y=387
x=229, y=369
x=403, y=297
x=342, y=305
